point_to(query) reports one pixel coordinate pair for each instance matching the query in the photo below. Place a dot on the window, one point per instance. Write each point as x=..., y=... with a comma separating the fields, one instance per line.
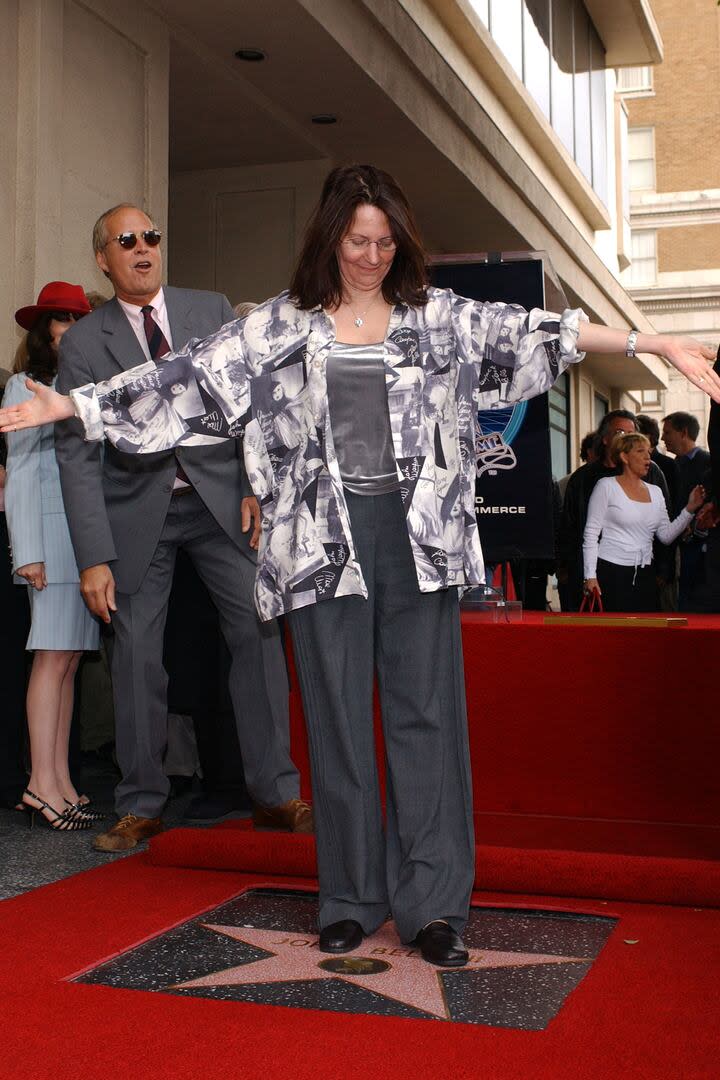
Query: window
x=481, y=7
x=623, y=161
x=536, y=52
x=635, y=80
x=650, y=398
x=506, y=19
x=562, y=102
x=555, y=50
x=641, y=158
x=643, y=252
x=601, y=407
x=559, y=412
x=598, y=107
x=583, y=121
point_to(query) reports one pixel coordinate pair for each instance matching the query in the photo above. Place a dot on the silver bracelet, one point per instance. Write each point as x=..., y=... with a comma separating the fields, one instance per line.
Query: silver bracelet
x=630, y=344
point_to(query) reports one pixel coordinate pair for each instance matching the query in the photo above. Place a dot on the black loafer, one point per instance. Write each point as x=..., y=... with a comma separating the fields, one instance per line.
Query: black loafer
x=339, y=937
x=439, y=944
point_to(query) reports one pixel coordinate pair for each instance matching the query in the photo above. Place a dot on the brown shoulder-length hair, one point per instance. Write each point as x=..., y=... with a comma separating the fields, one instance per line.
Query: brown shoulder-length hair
x=38, y=357
x=316, y=280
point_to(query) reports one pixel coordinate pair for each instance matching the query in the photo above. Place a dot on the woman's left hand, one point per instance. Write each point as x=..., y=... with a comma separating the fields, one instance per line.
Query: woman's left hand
x=44, y=407
x=694, y=361
x=34, y=574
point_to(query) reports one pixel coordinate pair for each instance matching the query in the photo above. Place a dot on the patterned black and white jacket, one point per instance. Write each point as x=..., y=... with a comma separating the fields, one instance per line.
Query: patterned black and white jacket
x=264, y=378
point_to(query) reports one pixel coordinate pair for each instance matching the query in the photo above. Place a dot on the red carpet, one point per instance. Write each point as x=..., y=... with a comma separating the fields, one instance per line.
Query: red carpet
x=608, y=874
x=646, y=1011
x=595, y=773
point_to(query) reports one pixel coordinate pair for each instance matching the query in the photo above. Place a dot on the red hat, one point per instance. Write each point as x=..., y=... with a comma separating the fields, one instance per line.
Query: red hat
x=55, y=296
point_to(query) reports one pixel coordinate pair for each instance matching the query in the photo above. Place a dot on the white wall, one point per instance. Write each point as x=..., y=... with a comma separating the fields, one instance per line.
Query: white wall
x=239, y=230
x=84, y=97
x=8, y=178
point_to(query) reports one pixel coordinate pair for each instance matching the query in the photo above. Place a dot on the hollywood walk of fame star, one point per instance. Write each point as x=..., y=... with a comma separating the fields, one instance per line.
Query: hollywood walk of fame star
x=379, y=964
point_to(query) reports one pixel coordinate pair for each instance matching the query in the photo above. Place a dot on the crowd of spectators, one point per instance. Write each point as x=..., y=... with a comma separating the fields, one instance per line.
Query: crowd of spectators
x=676, y=560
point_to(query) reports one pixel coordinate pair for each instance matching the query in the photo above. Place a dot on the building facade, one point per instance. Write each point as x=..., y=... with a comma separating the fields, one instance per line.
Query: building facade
x=674, y=189
x=499, y=118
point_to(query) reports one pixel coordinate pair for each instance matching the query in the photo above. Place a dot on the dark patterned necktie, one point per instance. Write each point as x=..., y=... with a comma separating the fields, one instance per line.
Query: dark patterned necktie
x=157, y=342
x=158, y=346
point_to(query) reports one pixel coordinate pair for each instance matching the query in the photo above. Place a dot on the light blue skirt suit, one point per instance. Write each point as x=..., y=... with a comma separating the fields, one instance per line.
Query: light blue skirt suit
x=39, y=534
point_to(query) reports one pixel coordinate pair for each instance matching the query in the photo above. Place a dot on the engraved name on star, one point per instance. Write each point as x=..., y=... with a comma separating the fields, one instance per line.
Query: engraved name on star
x=379, y=964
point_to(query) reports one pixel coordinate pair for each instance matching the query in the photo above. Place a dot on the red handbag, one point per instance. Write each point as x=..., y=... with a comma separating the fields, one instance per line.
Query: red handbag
x=591, y=601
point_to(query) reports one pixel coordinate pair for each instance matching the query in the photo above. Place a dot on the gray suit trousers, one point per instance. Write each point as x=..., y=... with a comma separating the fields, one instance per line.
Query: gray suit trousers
x=419, y=866
x=258, y=678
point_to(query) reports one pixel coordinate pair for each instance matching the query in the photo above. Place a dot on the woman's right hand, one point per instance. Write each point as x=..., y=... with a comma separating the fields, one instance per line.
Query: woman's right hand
x=44, y=407
x=592, y=585
x=34, y=574
x=697, y=498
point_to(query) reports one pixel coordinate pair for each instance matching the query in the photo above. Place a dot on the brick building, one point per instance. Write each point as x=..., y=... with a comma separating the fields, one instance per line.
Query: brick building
x=674, y=180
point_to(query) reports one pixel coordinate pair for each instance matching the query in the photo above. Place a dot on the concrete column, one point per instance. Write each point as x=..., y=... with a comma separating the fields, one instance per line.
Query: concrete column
x=38, y=212
x=8, y=174
x=85, y=103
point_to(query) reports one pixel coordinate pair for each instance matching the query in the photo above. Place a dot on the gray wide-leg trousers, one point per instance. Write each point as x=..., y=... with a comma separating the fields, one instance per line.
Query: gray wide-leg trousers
x=258, y=677
x=420, y=865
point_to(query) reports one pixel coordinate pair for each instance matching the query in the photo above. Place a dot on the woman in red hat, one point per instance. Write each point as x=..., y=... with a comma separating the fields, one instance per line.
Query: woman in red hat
x=43, y=560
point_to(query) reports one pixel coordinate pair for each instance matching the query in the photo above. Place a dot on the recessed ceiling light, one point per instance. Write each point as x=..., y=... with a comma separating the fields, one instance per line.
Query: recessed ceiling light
x=252, y=56
x=324, y=118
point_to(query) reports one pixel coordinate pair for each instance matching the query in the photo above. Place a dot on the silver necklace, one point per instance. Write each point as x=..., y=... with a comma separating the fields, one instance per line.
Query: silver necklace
x=359, y=319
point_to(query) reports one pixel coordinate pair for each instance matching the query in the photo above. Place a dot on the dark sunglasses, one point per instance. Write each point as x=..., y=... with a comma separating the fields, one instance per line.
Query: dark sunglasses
x=64, y=316
x=128, y=240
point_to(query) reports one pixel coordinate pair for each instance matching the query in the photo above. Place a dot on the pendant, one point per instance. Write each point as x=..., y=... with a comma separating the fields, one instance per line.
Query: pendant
x=358, y=321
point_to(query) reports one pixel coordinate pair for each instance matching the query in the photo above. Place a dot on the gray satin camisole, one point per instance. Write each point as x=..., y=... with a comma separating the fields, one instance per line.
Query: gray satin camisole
x=359, y=418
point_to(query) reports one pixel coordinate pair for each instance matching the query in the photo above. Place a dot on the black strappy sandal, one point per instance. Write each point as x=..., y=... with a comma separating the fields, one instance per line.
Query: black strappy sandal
x=85, y=810
x=67, y=821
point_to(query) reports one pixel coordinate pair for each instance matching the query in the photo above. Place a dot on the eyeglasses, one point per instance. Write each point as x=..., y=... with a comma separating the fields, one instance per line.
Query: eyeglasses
x=361, y=243
x=64, y=316
x=128, y=240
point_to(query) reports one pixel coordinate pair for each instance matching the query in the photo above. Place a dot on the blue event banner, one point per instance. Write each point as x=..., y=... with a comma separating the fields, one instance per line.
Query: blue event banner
x=513, y=497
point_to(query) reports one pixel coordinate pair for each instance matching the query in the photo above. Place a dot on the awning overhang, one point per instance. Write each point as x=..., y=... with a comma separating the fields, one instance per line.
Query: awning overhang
x=628, y=31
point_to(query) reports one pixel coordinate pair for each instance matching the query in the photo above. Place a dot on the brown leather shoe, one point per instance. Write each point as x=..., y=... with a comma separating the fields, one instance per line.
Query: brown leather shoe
x=295, y=815
x=127, y=833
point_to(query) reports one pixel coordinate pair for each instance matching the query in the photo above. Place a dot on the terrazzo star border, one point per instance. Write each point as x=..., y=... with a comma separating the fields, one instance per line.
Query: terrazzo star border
x=261, y=947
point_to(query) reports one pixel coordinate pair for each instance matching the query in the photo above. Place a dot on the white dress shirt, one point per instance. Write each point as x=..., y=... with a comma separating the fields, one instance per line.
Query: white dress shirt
x=136, y=320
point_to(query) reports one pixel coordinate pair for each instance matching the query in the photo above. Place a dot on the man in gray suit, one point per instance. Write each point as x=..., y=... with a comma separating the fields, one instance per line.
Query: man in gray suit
x=128, y=515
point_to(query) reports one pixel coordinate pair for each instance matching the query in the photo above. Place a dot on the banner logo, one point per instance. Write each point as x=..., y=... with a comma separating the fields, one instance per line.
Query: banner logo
x=495, y=431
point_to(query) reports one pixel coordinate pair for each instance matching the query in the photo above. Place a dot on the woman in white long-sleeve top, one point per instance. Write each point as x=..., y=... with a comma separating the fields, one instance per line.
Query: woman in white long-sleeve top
x=42, y=556
x=624, y=516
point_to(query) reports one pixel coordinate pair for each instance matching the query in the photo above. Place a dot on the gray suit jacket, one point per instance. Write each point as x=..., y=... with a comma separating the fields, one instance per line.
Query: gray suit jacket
x=33, y=500
x=116, y=503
